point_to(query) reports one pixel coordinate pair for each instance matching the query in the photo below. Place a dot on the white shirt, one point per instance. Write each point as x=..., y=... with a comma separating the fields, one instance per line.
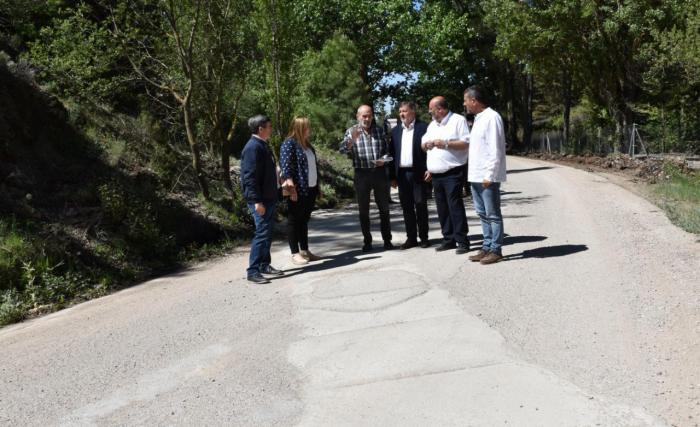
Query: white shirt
x=406, y=160
x=487, y=148
x=311, y=160
x=452, y=127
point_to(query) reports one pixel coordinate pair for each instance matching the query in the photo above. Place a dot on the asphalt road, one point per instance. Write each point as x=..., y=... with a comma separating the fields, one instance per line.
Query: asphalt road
x=593, y=318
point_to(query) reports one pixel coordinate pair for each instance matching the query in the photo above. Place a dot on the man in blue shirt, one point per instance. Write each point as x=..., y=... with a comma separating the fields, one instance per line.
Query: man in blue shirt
x=259, y=182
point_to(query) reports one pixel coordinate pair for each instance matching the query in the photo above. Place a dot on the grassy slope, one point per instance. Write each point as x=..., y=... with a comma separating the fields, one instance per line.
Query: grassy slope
x=679, y=195
x=78, y=221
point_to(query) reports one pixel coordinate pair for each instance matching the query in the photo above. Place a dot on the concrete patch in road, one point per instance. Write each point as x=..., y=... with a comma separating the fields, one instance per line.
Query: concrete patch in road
x=402, y=352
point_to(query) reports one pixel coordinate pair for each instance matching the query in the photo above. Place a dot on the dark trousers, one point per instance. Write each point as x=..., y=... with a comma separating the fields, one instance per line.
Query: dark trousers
x=262, y=239
x=450, y=206
x=366, y=181
x=413, y=194
x=298, y=220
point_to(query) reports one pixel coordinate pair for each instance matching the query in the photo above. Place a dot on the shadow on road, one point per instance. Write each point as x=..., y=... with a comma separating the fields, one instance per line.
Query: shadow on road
x=330, y=262
x=541, y=168
x=475, y=240
x=548, y=252
x=522, y=200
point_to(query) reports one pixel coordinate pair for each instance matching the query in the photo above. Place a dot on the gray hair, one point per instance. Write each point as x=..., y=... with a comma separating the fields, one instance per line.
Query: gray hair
x=256, y=122
x=477, y=92
x=410, y=104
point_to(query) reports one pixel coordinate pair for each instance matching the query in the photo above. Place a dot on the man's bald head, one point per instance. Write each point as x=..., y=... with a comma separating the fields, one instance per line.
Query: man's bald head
x=438, y=108
x=364, y=116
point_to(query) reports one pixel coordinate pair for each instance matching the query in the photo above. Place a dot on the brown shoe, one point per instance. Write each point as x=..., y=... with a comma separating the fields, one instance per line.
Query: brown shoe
x=491, y=258
x=309, y=256
x=478, y=256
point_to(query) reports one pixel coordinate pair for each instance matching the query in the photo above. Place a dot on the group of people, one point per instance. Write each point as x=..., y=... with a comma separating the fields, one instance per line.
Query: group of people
x=412, y=158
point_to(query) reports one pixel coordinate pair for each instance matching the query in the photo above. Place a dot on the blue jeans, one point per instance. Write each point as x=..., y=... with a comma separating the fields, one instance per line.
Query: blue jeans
x=262, y=240
x=487, y=203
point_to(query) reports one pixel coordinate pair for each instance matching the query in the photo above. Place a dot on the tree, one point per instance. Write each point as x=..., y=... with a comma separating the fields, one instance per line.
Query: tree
x=77, y=58
x=528, y=35
x=378, y=28
x=280, y=46
x=330, y=88
x=226, y=57
x=674, y=78
x=167, y=65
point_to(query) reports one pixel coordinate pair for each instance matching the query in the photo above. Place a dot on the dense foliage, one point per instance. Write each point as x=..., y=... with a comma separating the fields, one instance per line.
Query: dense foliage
x=158, y=92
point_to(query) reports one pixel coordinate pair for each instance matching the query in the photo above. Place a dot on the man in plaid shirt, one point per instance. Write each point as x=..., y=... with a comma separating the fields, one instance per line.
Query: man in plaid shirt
x=366, y=144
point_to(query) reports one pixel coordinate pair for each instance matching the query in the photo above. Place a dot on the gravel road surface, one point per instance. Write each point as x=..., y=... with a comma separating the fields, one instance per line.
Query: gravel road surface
x=593, y=318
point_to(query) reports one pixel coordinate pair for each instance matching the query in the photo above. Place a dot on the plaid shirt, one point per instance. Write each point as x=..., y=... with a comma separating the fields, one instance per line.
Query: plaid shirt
x=369, y=146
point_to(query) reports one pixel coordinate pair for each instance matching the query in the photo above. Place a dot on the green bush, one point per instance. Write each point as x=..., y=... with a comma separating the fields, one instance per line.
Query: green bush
x=10, y=307
x=37, y=275
x=14, y=250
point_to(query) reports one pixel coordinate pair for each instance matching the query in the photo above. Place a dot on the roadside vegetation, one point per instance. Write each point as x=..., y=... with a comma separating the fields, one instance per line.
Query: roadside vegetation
x=121, y=123
x=679, y=195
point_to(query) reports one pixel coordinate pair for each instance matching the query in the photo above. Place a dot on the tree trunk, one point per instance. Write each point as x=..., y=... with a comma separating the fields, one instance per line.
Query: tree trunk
x=567, y=89
x=228, y=141
x=527, y=111
x=194, y=149
x=226, y=165
x=512, y=130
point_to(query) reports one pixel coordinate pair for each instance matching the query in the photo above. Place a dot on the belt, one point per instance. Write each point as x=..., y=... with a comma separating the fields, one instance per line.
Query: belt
x=453, y=171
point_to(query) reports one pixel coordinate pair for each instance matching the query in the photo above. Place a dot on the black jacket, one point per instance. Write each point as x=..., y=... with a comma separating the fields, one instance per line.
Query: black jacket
x=258, y=172
x=419, y=156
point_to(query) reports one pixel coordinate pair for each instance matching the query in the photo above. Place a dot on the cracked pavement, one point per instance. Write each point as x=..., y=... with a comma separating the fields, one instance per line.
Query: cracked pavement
x=582, y=324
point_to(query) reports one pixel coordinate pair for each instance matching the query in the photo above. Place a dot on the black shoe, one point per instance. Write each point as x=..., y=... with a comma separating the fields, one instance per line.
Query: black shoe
x=259, y=279
x=425, y=243
x=367, y=247
x=272, y=271
x=462, y=248
x=408, y=244
x=388, y=246
x=446, y=246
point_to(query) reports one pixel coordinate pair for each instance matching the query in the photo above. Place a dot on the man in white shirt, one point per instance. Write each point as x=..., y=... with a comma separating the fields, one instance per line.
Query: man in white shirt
x=487, y=170
x=447, y=142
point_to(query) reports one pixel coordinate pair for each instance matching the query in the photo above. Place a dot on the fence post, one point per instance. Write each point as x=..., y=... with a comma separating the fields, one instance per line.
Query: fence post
x=632, y=139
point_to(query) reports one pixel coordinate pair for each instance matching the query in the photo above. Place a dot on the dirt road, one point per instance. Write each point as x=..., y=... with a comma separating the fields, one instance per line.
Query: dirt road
x=592, y=319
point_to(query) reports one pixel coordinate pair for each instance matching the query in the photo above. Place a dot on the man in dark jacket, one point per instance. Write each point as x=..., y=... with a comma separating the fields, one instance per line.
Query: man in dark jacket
x=409, y=174
x=259, y=182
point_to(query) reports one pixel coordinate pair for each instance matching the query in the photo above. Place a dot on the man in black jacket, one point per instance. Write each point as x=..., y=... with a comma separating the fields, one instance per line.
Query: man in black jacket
x=259, y=182
x=410, y=174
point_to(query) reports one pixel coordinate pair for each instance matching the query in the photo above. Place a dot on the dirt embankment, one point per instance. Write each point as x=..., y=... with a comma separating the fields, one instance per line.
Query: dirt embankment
x=648, y=169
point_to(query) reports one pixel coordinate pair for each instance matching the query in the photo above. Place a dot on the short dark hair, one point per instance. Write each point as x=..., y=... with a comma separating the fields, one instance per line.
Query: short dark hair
x=477, y=92
x=258, y=121
x=409, y=104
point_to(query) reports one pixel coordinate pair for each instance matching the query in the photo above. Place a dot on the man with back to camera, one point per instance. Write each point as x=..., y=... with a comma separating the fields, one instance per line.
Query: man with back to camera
x=409, y=170
x=259, y=183
x=446, y=144
x=366, y=144
x=487, y=170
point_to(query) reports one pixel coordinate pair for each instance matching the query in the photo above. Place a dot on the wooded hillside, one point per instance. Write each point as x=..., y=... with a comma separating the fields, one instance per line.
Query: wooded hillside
x=122, y=121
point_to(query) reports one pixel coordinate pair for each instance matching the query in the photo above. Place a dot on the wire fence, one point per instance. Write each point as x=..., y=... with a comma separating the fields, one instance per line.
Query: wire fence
x=634, y=141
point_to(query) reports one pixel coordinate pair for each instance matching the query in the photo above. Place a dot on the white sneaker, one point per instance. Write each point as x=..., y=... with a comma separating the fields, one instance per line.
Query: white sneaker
x=298, y=259
x=309, y=256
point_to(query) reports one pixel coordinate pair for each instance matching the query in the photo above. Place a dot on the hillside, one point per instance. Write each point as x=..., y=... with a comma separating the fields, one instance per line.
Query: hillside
x=72, y=225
